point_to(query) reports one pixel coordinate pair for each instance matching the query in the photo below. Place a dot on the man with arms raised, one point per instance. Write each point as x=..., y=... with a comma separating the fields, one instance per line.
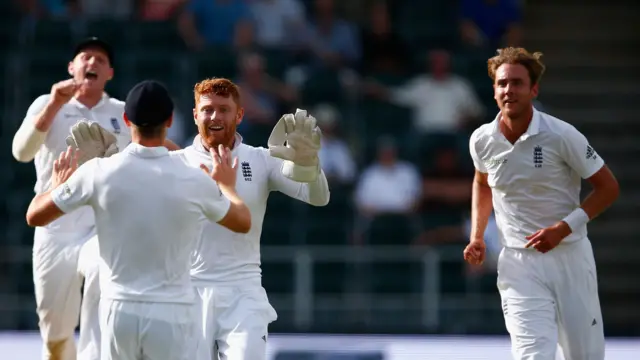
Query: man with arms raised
x=148, y=207
x=226, y=270
x=62, y=249
x=529, y=167
x=62, y=254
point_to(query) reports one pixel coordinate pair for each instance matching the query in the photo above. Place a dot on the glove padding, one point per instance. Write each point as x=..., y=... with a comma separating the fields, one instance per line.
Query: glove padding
x=91, y=140
x=300, y=153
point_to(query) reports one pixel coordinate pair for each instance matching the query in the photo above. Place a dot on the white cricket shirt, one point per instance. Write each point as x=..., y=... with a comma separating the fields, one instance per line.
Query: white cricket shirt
x=536, y=181
x=225, y=256
x=149, y=208
x=108, y=113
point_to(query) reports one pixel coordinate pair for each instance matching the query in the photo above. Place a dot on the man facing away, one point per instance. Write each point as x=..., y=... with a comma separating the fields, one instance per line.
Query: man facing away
x=529, y=167
x=235, y=310
x=148, y=207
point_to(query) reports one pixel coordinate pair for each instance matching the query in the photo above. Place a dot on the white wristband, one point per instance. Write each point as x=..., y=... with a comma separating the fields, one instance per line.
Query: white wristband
x=576, y=219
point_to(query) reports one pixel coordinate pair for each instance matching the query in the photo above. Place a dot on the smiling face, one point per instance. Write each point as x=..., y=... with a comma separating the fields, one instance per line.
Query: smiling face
x=513, y=90
x=217, y=112
x=92, y=69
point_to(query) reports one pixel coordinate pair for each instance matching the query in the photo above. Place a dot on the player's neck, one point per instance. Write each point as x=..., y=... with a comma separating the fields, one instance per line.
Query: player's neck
x=230, y=144
x=89, y=99
x=513, y=128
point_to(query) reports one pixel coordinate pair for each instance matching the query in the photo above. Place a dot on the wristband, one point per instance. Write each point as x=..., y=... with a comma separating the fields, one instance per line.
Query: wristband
x=576, y=219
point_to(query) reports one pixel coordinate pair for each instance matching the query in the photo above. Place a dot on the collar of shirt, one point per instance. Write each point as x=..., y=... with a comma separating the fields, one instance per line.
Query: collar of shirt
x=146, y=152
x=80, y=105
x=197, y=144
x=533, y=129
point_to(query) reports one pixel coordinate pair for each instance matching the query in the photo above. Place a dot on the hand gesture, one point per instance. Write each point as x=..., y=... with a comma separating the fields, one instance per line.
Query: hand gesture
x=302, y=137
x=224, y=168
x=475, y=252
x=64, y=167
x=547, y=239
x=92, y=140
x=63, y=91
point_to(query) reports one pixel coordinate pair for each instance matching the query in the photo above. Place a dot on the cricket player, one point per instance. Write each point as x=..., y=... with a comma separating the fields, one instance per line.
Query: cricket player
x=234, y=307
x=62, y=251
x=529, y=167
x=148, y=207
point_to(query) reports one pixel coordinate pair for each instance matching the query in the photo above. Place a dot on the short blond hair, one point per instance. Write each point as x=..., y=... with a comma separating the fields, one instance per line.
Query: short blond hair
x=217, y=86
x=513, y=55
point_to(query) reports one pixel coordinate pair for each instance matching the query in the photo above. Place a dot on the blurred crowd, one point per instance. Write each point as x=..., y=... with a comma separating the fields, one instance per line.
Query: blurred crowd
x=413, y=171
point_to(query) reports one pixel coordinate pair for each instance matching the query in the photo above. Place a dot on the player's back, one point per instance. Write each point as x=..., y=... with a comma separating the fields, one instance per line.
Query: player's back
x=147, y=215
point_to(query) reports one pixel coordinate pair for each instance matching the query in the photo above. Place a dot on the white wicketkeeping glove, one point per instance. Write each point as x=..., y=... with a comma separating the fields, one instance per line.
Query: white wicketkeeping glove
x=91, y=140
x=300, y=153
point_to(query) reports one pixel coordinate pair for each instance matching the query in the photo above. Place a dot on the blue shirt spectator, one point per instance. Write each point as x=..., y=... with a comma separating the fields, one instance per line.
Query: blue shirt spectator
x=215, y=20
x=493, y=19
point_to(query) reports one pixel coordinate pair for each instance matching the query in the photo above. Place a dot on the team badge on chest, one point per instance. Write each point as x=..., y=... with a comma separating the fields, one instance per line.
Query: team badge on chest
x=116, y=125
x=246, y=171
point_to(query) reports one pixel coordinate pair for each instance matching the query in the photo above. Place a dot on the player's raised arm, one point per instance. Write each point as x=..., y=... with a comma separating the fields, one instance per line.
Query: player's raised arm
x=481, y=207
x=584, y=160
x=35, y=126
x=70, y=189
x=295, y=167
x=232, y=212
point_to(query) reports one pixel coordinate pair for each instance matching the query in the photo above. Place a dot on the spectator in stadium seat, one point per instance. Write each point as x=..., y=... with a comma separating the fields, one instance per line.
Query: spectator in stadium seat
x=211, y=22
x=262, y=98
x=446, y=195
x=383, y=51
x=159, y=10
x=38, y=9
x=244, y=38
x=491, y=23
x=389, y=186
x=276, y=21
x=336, y=158
x=330, y=43
x=443, y=102
x=113, y=9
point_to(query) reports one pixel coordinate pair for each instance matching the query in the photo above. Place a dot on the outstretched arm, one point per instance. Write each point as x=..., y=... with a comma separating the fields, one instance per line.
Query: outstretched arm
x=314, y=193
x=70, y=189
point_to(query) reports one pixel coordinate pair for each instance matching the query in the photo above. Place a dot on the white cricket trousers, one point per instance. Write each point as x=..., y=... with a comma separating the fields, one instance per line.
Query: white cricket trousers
x=550, y=299
x=60, y=263
x=134, y=330
x=234, y=321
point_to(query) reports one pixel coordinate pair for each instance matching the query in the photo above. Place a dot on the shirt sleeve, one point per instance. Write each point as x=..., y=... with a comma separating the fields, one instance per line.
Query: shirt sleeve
x=477, y=162
x=215, y=206
x=578, y=154
x=78, y=190
x=315, y=193
x=28, y=140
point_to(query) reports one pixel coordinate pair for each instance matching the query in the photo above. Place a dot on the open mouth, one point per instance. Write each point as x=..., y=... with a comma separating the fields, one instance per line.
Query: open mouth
x=216, y=128
x=91, y=75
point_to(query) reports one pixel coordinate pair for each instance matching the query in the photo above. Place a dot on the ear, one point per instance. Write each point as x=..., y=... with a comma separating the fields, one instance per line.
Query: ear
x=110, y=74
x=239, y=116
x=169, y=122
x=534, y=90
x=126, y=120
x=495, y=93
x=195, y=115
x=70, y=68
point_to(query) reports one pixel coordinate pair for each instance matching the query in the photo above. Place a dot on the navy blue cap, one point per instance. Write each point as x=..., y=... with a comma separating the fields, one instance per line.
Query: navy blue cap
x=94, y=43
x=148, y=104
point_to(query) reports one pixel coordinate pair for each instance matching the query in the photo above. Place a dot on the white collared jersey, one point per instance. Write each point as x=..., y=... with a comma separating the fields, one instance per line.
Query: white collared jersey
x=108, y=113
x=149, y=208
x=536, y=181
x=225, y=256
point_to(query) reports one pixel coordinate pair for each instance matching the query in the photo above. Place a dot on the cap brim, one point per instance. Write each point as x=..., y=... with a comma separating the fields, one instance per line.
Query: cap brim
x=95, y=43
